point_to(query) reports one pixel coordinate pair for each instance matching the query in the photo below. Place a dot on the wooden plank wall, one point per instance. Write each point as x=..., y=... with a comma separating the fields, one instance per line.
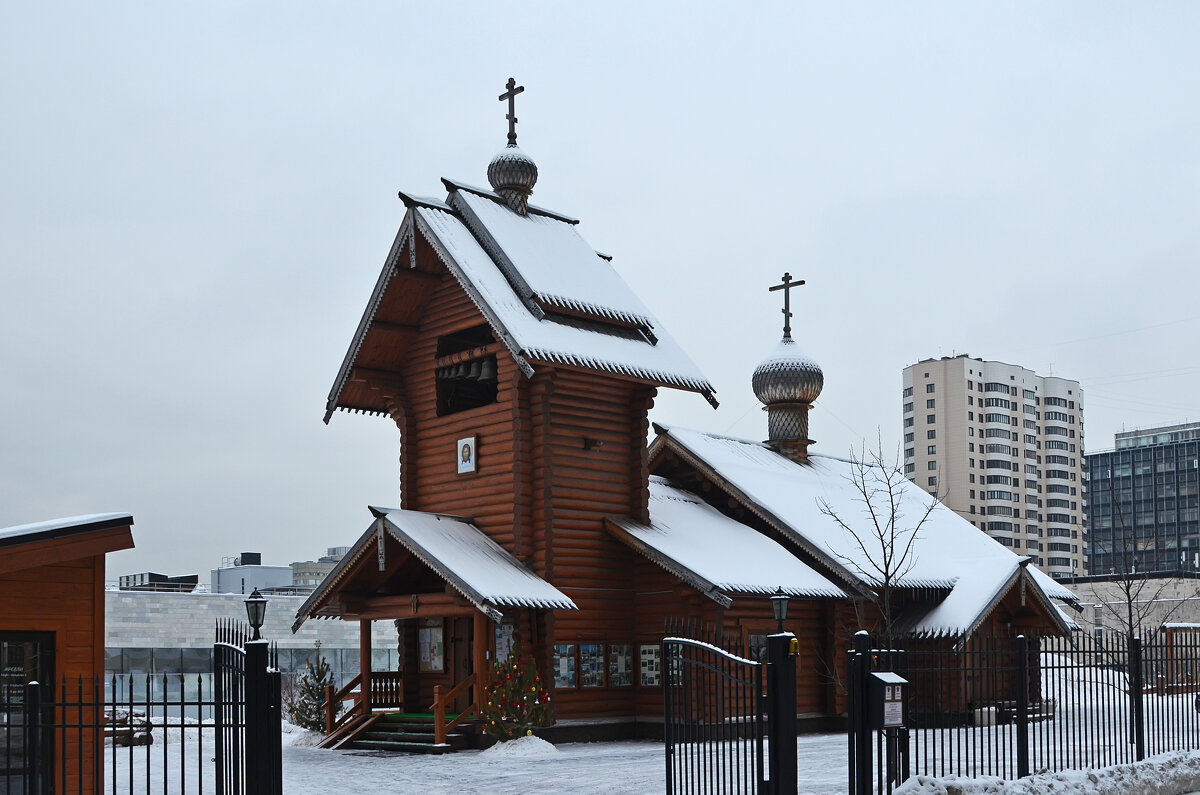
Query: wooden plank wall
x=69, y=599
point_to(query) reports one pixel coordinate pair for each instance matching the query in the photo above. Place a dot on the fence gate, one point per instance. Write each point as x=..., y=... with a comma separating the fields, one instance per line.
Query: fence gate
x=163, y=733
x=713, y=719
x=247, y=714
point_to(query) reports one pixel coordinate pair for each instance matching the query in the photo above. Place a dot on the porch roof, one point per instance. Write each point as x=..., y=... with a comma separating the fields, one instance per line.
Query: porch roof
x=470, y=562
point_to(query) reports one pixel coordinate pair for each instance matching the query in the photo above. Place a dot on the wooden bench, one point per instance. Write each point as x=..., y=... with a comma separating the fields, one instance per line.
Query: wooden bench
x=1006, y=711
x=127, y=728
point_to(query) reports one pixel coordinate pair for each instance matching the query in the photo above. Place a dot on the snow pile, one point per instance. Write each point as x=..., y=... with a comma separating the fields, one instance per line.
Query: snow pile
x=527, y=747
x=1168, y=774
x=300, y=738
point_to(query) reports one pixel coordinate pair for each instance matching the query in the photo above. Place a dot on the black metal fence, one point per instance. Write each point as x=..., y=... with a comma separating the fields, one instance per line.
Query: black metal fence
x=162, y=733
x=1009, y=706
x=713, y=719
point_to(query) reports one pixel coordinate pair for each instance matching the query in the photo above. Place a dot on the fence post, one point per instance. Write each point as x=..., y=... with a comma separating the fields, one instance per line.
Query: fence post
x=1022, y=687
x=1135, y=690
x=864, y=775
x=263, y=736
x=781, y=713
x=668, y=682
x=33, y=735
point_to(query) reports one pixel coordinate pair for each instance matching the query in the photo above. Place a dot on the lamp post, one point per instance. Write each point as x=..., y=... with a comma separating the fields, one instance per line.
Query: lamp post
x=779, y=604
x=256, y=611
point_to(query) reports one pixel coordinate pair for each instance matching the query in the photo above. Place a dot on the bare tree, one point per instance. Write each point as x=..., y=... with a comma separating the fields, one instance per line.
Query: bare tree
x=883, y=536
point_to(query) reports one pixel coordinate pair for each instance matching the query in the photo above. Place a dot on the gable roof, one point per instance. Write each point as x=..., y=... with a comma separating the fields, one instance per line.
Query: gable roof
x=949, y=553
x=713, y=553
x=460, y=553
x=42, y=543
x=544, y=292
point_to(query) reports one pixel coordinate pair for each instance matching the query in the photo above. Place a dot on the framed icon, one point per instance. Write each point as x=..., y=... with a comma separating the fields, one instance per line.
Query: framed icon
x=464, y=453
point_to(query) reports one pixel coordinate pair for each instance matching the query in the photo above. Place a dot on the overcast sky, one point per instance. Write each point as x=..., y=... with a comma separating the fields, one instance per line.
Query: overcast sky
x=196, y=204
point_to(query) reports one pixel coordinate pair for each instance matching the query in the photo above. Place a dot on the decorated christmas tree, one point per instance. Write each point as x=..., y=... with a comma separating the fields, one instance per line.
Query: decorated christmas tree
x=515, y=702
x=308, y=709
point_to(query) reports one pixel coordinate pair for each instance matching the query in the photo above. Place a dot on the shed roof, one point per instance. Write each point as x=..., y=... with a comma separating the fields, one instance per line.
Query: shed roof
x=44, y=543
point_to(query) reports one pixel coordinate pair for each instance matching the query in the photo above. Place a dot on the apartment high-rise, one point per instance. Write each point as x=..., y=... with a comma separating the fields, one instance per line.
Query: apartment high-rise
x=1002, y=447
x=1145, y=500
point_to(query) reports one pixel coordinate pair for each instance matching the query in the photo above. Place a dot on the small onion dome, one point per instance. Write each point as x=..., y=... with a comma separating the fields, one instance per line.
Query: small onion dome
x=513, y=174
x=787, y=375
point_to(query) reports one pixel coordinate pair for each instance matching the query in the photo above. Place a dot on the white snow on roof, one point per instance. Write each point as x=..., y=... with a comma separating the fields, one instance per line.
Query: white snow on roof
x=547, y=340
x=723, y=551
x=557, y=263
x=62, y=524
x=949, y=551
x=470, y=561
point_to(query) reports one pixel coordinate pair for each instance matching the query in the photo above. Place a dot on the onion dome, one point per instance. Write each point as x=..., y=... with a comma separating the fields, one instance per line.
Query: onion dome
x=787, y=375
x=512, y=174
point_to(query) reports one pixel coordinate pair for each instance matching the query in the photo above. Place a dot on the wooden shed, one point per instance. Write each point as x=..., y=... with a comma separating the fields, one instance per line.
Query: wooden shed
x=52, y=624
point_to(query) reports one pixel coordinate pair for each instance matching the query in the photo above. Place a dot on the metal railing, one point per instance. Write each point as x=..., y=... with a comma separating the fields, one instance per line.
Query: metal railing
x=1005, y=706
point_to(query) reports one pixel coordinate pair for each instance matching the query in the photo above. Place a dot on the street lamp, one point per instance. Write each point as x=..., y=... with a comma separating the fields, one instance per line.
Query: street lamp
x=256, y=611
x=779, y=604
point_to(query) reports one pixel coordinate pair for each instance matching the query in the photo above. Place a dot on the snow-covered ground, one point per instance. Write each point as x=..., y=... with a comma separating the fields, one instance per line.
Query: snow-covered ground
x=531, y=765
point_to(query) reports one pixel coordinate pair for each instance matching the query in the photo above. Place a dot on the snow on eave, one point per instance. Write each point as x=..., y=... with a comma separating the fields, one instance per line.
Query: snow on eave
x=639, y=373
x=59, y=528
x=619, y=526
x=664, y=439
x=390, y=267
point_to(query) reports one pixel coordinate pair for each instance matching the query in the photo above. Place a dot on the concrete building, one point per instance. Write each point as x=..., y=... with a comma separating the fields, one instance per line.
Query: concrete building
x=156, y=633
x=1162, y=597
x=1144, y=501
x=1002, y=447
x=246, y=573
x=307, y=574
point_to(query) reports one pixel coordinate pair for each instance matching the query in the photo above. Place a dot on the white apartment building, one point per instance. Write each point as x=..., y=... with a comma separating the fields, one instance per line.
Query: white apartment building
x=1002, y=447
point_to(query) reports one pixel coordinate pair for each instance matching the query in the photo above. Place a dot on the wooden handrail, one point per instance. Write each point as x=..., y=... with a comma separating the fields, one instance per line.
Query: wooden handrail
x=440, y=729
x=332, y=699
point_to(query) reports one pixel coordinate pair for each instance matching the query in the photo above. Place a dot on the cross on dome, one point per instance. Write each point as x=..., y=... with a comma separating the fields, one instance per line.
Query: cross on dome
x=511, y=96
x=787, y=286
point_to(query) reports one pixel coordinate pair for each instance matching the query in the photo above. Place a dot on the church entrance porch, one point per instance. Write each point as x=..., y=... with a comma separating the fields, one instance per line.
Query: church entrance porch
x=447, y=587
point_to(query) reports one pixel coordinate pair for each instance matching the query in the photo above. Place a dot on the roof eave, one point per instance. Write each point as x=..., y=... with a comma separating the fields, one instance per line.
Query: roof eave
x=390, y=267
x=617, y=526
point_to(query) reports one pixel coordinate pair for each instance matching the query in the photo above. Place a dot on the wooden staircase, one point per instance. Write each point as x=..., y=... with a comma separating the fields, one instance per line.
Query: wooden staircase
x=412, y=733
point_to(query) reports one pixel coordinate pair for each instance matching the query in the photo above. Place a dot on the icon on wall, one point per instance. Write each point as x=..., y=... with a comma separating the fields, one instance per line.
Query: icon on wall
x=466, y=455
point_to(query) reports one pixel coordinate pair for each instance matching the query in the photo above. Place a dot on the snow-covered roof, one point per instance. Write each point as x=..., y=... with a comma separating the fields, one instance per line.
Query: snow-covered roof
x=545, y=293
x=702, y=546
x=948, y=554
x=551, y=258
x=460, y=553
x=55, y=528
x=552, y=340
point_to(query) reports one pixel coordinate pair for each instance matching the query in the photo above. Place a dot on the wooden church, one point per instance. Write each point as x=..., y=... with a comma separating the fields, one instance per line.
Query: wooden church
x=520, y=370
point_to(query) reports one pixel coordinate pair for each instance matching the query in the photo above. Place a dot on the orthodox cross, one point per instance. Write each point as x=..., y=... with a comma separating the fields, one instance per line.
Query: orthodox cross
x=787, y=286
x=511, y=96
